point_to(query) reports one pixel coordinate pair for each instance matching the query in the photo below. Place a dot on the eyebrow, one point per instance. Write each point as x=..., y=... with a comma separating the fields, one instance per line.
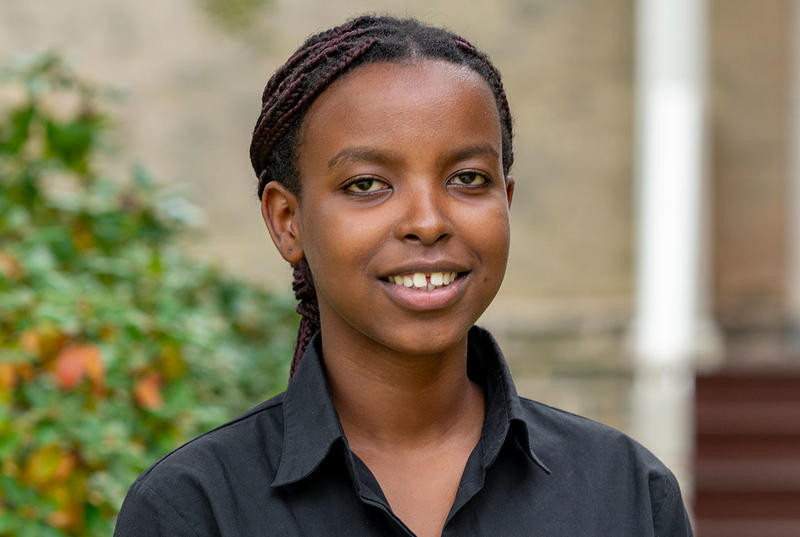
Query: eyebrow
x=363, y=154
x=464, y=153
x=379, y=156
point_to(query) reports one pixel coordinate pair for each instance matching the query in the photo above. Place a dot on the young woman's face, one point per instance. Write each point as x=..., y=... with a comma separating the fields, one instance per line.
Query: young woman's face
x=402, y=182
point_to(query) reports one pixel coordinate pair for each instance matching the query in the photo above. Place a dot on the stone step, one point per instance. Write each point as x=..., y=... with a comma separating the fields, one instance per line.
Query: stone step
x=748, y=475
x=747, y=456
x=766, y=527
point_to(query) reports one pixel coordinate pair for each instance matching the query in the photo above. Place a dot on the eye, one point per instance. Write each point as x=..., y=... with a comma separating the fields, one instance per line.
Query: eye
x=365, y=185
x=469, y=178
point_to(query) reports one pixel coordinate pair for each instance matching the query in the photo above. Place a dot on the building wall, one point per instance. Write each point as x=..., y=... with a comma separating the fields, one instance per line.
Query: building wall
x=193, y=93
x=750, y=129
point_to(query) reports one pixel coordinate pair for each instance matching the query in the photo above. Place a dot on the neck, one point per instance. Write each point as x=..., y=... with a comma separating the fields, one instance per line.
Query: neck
x=387, y=399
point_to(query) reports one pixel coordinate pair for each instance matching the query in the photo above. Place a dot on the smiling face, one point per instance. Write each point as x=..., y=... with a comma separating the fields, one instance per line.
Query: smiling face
x=403, y=209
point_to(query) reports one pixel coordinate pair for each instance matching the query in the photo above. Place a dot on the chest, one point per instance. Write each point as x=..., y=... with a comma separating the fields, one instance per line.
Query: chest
x=511, y=498
x=420, y=488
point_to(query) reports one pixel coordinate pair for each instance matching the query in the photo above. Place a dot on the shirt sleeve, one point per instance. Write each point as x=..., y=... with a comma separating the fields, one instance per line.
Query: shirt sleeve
x=669, y=515
x=146, y=514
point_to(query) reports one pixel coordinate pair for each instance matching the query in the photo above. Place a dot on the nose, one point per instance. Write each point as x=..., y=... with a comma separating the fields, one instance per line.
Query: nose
x=425, y=217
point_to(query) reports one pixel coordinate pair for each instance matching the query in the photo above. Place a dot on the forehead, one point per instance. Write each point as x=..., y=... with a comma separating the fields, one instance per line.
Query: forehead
x=388, y=102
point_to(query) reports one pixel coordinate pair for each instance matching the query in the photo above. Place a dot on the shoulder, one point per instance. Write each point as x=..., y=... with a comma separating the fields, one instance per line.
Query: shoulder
x=256, y=433
x=574, y=445
x=612, y=481
x=173, y=496
x=562, y=435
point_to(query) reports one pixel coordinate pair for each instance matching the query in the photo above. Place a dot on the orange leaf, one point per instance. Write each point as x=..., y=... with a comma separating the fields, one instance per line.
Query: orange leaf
x=95, y=368
x=9, y=267
x=25, y=372
x=48, y=465
x=79, y=361
x=8, y=379
x=43, y=342
x=30, y=342
x=148, y=391
x=69, y=512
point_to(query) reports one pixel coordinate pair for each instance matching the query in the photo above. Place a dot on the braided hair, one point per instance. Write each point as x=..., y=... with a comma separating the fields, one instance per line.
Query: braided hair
x=319, y=61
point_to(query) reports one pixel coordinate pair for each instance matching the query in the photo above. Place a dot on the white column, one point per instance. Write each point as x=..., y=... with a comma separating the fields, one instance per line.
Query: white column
x=793, y=234
x=671, y=325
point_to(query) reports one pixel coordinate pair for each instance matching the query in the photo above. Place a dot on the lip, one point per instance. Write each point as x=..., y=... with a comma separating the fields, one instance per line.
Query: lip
x=423, y=300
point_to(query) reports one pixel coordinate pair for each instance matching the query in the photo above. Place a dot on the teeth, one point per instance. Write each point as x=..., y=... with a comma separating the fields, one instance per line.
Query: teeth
x=422, y=281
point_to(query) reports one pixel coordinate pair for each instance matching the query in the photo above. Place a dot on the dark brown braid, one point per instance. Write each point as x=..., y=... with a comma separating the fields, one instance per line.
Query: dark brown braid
x=323, y=58
x=307, y=307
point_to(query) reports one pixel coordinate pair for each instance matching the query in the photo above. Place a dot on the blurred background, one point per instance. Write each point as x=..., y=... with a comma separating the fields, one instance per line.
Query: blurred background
x=654, y=280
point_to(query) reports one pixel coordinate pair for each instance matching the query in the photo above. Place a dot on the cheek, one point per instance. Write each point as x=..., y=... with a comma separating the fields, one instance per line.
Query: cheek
x=339, y=242
x=494, y=233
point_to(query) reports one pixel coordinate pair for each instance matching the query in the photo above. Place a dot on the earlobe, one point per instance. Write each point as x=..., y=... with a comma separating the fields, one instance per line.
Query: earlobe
x=279, y=207
x=509, y=189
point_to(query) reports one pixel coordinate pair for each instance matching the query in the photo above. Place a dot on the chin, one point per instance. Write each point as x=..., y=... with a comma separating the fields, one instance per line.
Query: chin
x=422, y=343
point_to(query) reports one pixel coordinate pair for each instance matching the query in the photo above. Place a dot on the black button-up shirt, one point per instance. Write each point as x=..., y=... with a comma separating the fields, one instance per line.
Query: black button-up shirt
x=285, y=469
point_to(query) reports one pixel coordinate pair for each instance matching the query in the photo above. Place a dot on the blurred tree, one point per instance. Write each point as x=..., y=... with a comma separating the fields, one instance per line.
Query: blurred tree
x=235, y=16
x=114, y=347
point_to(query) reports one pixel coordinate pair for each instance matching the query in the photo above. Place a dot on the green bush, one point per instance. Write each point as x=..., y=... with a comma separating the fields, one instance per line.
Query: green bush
x=114, y=347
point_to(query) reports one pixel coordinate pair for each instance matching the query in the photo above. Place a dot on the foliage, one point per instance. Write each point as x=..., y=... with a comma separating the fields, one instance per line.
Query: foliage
x=234, y=15
x=114, y=347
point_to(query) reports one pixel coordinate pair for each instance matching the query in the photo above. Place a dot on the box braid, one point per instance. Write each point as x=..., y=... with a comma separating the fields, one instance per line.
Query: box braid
x=323, y=58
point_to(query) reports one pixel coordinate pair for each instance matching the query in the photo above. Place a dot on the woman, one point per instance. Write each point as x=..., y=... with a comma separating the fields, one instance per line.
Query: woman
x=383, y=152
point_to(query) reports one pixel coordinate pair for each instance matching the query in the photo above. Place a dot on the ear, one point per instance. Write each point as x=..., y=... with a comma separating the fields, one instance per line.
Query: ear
x=509, y=189
x=280, y=209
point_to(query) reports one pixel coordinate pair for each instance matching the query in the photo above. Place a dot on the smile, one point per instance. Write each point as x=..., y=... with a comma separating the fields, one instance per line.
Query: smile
x=426, y=291
x=422, y=281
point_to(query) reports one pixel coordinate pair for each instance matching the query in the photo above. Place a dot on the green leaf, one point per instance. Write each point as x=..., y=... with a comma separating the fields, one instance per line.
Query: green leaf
x=14, y=132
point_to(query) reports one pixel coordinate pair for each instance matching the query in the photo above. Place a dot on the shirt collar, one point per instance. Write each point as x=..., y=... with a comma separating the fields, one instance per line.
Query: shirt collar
x=311, y=424
x=504, y=413
x=312, y=427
